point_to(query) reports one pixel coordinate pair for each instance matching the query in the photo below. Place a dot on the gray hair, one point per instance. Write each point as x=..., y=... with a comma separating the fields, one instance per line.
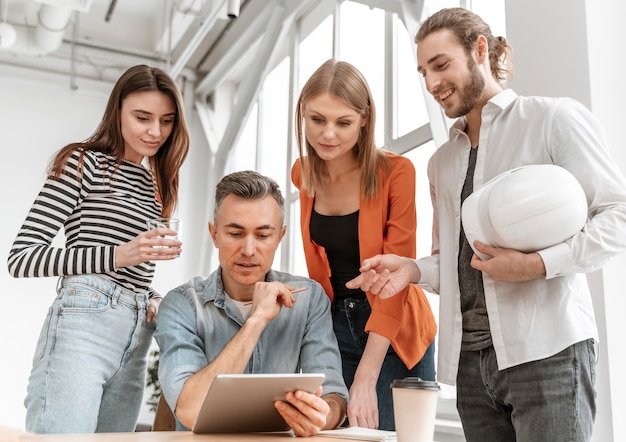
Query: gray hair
x=250, y=185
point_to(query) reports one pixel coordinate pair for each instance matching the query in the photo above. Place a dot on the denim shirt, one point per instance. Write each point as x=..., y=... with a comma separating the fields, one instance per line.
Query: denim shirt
x=196, y=321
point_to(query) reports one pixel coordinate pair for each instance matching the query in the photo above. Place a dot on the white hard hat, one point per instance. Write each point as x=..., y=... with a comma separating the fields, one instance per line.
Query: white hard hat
x=527, y=208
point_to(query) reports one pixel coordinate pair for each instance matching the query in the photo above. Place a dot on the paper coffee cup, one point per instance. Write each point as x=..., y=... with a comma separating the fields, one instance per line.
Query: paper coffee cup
x=414, y=408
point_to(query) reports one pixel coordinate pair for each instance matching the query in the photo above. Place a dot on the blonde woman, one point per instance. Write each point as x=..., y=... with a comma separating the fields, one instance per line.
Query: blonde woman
x=358, y=201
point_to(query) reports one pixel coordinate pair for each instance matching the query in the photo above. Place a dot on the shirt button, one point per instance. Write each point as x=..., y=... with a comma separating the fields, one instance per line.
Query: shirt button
x=457, y=324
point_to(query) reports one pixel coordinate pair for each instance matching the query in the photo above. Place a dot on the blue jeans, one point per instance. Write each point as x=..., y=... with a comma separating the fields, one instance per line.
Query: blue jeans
x=549, y=400
x=349, y=318
x=89, y=368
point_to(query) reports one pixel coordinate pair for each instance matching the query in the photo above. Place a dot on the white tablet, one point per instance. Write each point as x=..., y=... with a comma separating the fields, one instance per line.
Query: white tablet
x=244, y=403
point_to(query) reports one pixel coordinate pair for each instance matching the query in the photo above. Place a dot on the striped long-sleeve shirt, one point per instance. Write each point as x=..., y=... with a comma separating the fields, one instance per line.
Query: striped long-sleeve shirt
x=100, y=205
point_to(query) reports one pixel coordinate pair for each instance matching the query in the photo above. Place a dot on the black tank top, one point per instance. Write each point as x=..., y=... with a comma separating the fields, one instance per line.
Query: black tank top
x=339, y=235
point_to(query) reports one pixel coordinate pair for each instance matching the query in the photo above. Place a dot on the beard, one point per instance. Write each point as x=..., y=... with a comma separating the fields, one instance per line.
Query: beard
x=470, y=92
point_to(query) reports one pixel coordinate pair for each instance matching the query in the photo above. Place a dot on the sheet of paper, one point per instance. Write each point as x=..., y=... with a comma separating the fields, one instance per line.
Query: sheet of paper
x=359, y=433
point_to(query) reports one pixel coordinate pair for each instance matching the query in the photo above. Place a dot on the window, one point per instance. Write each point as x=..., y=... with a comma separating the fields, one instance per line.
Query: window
x=273, y=124
x=315, y=49
x=362, y=43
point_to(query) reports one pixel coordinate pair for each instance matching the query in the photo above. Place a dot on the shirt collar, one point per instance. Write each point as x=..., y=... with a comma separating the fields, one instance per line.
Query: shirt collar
x=502, y=99
x=214, y=290
x=496, y=104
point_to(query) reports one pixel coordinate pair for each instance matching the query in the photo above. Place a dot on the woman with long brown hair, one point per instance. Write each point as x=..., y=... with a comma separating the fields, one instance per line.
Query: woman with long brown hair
x=89, y=367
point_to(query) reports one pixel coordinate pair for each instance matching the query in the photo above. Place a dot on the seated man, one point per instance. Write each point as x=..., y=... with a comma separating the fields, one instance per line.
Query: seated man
x=243, y=318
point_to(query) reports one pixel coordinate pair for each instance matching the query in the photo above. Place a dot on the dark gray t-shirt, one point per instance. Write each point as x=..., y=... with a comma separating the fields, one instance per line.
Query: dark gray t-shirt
x=476, y=333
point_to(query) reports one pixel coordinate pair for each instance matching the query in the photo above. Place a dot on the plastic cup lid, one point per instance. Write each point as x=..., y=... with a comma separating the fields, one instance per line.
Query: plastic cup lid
x=415, y=383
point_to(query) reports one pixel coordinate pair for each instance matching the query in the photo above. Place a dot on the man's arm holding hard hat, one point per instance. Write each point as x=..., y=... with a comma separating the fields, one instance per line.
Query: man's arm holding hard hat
x=508, y=265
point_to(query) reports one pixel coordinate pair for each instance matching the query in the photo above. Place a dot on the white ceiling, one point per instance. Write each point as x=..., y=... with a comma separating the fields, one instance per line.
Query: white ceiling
x=113, y=34
x=101, y=38
x=97, y=40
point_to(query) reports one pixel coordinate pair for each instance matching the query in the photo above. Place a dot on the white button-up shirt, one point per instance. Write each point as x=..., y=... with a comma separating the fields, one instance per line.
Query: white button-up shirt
x=535, y=319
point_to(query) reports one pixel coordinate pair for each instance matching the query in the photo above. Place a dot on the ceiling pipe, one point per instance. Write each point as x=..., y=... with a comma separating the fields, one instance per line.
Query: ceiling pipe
x=47, y=35
x=110, y=11
x=204, y=29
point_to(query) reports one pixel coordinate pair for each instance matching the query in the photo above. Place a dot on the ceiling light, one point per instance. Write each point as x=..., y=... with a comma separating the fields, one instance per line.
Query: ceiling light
x=74, y=5
x=7, y=35
x=233, y=8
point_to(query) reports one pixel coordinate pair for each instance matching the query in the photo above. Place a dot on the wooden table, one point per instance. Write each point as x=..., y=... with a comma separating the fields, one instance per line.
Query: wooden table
x=9, y=435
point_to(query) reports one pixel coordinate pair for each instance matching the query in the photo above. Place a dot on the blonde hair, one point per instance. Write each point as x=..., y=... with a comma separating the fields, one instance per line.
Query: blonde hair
x=342, y=80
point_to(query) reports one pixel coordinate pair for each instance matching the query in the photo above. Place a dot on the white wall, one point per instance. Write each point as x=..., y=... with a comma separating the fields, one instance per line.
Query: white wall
x=574, y=48
x=36, y=119
x=608, y=94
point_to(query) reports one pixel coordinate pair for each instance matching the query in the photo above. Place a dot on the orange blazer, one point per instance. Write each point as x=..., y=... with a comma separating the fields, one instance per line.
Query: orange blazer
x=387, y=224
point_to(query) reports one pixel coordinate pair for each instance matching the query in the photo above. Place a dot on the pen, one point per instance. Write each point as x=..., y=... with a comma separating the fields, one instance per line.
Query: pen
x=298, y=290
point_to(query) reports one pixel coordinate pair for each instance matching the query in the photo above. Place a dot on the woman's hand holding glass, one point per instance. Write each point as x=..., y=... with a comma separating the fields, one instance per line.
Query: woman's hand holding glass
x=159, y=243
